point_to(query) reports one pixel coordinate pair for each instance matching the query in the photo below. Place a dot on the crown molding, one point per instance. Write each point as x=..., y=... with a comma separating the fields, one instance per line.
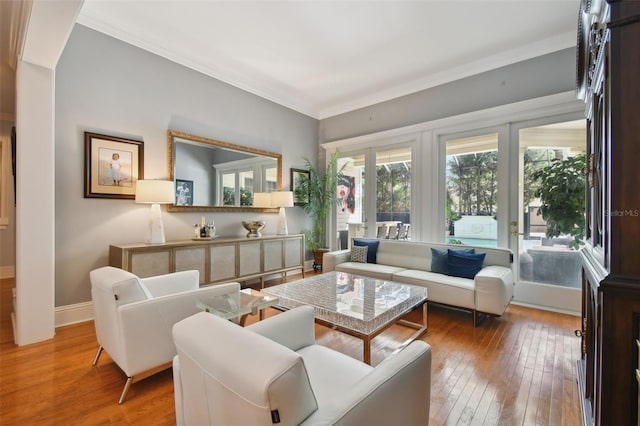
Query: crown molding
x=282, y=95
x=20, y=12
x=530, y=51
x=262, y=88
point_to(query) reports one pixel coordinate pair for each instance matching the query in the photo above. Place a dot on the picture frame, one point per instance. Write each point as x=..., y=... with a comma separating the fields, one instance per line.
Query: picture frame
x=296, y=176
x=113, y=165
x=184, y=192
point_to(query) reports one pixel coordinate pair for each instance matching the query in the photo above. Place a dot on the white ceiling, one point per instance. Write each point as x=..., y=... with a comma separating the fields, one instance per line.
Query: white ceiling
x=322, y=58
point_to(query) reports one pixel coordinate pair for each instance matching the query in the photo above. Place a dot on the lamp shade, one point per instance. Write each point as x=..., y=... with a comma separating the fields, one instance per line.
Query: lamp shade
x=261, y=199
x=155, y=191
x=282, y=199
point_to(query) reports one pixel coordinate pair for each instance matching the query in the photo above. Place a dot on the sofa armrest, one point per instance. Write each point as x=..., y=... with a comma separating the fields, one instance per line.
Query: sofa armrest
x=146, y=326
x=294, y=329
x=175, y=282
x=402, y=381
x=494, y=289
x=333, y=258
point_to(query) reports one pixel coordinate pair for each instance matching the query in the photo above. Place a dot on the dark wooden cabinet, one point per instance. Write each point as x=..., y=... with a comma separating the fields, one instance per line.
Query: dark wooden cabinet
x=608, y=79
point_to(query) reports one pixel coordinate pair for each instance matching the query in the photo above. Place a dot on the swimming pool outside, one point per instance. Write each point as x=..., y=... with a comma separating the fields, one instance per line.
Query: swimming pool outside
x=473, y=241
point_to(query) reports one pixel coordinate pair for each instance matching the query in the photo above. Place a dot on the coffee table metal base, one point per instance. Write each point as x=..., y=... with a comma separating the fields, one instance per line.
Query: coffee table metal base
x=421, y=328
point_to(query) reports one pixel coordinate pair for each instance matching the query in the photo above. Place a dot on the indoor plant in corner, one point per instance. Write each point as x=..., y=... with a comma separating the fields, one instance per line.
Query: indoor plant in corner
x=319, y=191
x=562, y=192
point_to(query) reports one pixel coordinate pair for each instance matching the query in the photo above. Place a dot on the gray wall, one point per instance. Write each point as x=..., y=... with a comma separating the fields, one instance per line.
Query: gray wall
x=106, y=86
x=537, y=77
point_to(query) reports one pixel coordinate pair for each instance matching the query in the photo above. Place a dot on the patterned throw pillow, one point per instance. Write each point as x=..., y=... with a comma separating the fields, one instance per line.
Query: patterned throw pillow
x=359, y=254
x=372, y=254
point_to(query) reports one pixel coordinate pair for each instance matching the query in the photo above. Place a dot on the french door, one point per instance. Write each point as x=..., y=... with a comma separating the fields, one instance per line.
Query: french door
x=488, y=198
x=474, y=190
x=548, y=267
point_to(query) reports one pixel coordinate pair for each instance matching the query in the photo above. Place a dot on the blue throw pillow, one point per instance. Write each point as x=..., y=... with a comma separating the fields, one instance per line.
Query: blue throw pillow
x=372, y=252
x=464, y=265
x=439, y=259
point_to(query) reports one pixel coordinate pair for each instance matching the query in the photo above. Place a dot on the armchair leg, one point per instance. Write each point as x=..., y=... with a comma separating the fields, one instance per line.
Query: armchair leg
x=127, y=385
x=98, y=353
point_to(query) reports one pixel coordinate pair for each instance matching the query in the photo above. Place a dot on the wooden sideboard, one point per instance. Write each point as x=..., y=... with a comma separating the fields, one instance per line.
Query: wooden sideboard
x=218, y=260
x=609, y=83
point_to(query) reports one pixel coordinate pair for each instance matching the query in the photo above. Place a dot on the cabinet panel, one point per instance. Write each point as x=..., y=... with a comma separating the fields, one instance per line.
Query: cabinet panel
x=293, y=253
x=272, y=255
x=249, y=257
x=191, y=258
x=223, y=262
x=149, y=264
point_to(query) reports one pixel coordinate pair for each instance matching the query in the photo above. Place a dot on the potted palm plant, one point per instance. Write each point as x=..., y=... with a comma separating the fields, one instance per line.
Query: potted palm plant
x=319, y=191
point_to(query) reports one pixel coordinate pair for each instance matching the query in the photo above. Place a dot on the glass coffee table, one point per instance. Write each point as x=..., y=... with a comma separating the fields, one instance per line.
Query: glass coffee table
x=360, y=306
x=236, y=306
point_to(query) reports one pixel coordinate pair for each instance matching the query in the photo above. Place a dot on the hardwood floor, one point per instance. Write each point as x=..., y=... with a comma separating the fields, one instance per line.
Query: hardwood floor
x=514, y=370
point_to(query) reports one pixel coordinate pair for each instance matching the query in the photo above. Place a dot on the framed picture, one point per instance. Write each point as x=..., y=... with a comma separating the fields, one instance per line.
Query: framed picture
x=296, y=177
x=184, y=192
x=112, y=166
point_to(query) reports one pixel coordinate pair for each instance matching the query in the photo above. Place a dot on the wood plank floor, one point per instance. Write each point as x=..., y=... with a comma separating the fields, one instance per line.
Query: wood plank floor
x=515, y=370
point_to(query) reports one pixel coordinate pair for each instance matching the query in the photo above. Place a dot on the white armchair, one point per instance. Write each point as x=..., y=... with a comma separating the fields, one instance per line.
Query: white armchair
x=273, y=372
x=133, y=317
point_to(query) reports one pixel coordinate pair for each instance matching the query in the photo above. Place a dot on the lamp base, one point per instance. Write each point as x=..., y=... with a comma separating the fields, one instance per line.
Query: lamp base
x=156, y=227
x=282, y=222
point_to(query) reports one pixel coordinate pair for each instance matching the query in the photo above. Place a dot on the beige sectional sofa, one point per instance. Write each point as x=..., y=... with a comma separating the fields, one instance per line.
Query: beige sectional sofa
x=489, y=292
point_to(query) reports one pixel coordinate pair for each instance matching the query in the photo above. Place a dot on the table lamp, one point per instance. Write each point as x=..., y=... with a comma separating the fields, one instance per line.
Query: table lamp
x=282, y=199
x=261, y=199
x=155, y=192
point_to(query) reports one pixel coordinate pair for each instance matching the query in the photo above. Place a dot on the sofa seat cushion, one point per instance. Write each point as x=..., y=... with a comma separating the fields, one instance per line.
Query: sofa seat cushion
x=441, y=288
x=331, y=373
x=375, y=270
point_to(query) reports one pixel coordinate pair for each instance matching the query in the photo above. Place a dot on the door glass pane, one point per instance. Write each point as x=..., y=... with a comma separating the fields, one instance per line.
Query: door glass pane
x=545, y=249
x=350, y=210
x=271, y=180
x=472, y=190
x=393, y=193
x=229, y=189
x=246, y=188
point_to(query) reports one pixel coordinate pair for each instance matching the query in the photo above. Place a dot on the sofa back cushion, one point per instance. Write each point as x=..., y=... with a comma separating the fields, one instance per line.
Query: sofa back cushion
x=417, y=255
x=410, y=255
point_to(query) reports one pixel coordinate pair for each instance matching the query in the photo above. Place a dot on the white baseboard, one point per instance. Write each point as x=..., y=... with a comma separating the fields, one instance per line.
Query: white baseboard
x=73, y=314
x=7, y=272
x=547, y=308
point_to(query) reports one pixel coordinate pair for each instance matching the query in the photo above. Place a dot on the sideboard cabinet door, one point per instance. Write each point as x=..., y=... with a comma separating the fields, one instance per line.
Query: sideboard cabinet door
x=249, y=256
x=223, y=262
x=189, y=258
x=273, y=255
x=149, y=264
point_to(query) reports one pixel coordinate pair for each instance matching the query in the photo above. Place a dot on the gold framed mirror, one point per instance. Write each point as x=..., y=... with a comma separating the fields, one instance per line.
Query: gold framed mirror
x=216, y=176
